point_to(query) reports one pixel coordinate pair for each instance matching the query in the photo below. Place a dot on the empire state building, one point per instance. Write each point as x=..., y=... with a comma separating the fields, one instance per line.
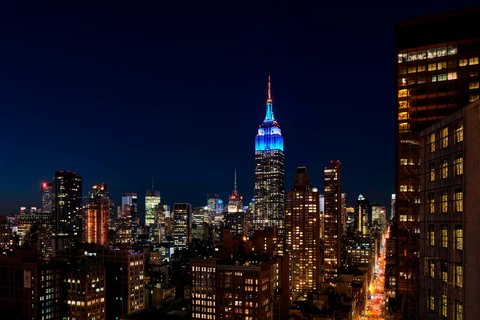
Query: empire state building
x=269, y=173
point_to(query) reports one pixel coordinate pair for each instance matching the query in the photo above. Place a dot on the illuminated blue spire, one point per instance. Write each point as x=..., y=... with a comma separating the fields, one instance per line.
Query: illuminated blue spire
x=269, y=135
x=269, y=115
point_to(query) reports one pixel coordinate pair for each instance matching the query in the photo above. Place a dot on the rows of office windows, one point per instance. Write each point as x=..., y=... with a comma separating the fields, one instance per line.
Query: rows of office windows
x=443, y=306
x=427, y=54
x=457, y=234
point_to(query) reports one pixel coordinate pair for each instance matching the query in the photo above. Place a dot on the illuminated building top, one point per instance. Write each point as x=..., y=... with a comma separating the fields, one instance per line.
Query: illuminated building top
x=269, y=135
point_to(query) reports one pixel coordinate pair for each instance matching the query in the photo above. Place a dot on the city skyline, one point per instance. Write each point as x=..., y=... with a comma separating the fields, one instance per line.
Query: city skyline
x=100, y=101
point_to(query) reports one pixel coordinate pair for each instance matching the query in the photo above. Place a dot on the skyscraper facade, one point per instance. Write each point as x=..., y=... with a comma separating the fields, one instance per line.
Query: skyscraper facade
x=302, y=221
x=450, y=223
x=182, y=219
x=97, y=215
x=129, y=212
x=333, y=228
x=152, y=203
x=363, y=216
x=269, y=189
x=67, y=206
x=47, y=195
x=437, y=74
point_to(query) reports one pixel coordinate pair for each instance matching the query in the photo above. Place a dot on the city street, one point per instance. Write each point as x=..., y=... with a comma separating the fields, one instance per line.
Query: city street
x=376, y=302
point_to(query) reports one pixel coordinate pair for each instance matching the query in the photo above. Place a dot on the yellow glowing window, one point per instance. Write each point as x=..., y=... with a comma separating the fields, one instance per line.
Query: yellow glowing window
x=431, y=235
x=473, y=97
x=444, y=137
x=452, y=76
x=441, y=65
x=458, y=310
x=432, y=142
x=473, y=61
x=459, y=276
x=444, y=169
x=444, y=236
x=404, y=126
x=432, y=66
x=432, y=303
x=403, y=93
x=459, y=132
x=402, y=115
x=432, y=172
x=403, y=104
x=463, y=62
x=459, y=165
x=473, y=85
x=432, y=202
x=444, y=305
x=444, y=201
x=458, y=238
x=412, y=69
x=432, y=270
x=458, y=200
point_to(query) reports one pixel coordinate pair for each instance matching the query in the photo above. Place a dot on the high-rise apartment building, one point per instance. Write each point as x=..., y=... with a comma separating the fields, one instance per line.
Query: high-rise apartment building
x=437, y=74
x=97, y=215
x=84, y=284
x=269, y=189
x=302, y=222
x=67, y=207
x=449, y=221
x=129, y=212
x=182, y=220
x=333, y=228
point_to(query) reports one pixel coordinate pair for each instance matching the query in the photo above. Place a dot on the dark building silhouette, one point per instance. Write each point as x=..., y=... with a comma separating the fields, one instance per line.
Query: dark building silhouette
x=333, y=228
x=67, y=208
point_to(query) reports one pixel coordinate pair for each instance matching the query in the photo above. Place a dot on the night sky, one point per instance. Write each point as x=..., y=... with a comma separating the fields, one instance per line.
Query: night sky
x=118, y=92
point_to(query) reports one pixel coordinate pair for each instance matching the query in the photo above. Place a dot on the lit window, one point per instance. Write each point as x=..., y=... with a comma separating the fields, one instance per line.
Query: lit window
x=441, y=65
x=444, y=236
x=444, y=169
x=402, y=115
x=442, y=77
x=459, y=165
x=473, y=85
x=403, y=104
x=431, y=200
x=421, y=68
x=432, y=142
x=463, y=62
x=452, y=76
x=432, y=302
x=458, y=310
x=444, y=266
x=473, y=61
x=459, y=132
x=432, y=66
x=458, y=200
x=473, y=97
x=432, y=172
x=431, y=234
x=444, y=305
x=432, y=269
x=403, y=93
x=458, y=237
x=459, y=275
x=444, y=137
x=412, y=69
x=404, y=126
x=444, y=201
x=434, y=78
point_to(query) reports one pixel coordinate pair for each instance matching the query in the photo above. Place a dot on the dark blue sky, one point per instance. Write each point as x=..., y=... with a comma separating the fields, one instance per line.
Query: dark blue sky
x=118, y=92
